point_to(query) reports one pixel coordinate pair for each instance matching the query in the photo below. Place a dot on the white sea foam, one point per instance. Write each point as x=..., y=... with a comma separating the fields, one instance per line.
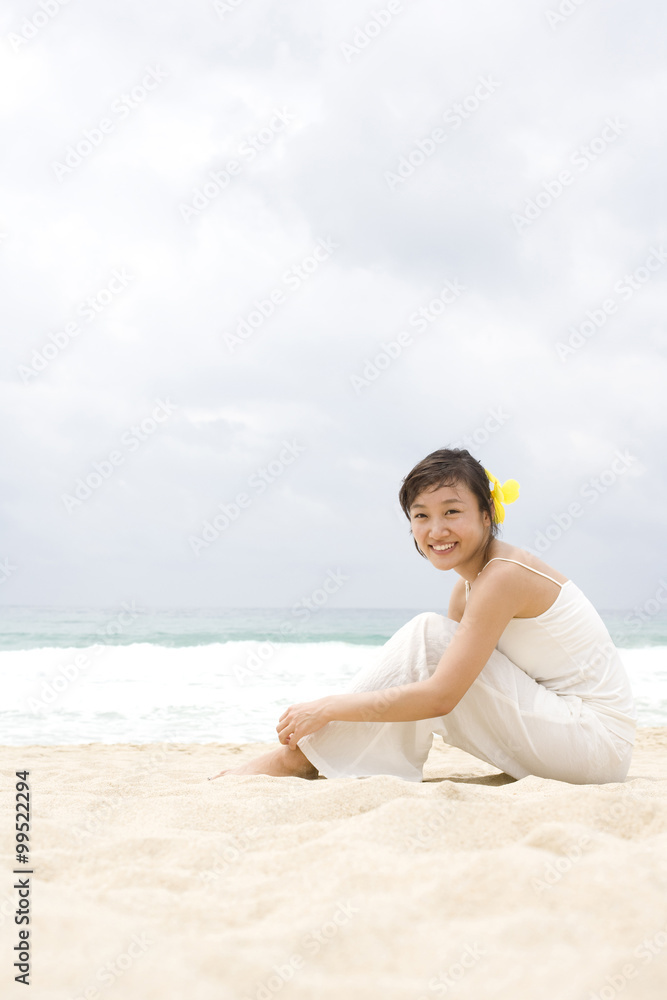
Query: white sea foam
x=233, y=691
x=647, y=670
x=229, y=692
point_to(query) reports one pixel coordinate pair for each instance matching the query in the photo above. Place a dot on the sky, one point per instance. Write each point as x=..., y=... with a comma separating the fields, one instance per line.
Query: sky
x=261, y=257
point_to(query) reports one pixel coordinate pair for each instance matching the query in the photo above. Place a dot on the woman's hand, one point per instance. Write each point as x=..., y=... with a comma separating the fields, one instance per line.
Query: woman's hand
x=301, y=720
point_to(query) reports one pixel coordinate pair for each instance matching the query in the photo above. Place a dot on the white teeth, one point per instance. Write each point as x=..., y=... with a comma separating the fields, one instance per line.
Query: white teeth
x=443, y=548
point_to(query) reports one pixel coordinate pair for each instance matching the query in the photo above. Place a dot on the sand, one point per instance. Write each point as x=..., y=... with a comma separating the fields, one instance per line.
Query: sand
x=152, y=882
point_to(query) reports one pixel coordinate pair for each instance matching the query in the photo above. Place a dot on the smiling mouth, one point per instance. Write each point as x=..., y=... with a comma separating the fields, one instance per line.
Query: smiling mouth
x=441, y=549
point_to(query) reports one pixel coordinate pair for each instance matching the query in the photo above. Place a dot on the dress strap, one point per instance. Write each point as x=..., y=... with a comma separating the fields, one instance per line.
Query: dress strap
x=505, y=559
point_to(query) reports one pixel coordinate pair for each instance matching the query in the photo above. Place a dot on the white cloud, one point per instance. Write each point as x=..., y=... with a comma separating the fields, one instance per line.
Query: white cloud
x=322, y=177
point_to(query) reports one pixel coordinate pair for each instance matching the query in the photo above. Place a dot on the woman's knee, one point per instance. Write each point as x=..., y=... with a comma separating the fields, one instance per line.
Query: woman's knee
x=438, y=626
x=432, y=629
x=434, y=619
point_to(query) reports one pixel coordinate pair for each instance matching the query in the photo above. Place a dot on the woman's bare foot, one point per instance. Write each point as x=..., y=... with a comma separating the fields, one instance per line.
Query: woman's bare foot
x=281, y=763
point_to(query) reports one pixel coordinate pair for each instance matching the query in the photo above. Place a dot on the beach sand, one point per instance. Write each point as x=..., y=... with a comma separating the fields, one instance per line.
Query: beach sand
x=152, y=882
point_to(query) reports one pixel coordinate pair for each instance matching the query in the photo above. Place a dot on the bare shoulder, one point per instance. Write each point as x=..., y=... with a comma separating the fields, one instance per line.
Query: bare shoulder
x=530, y=560
x=457, y=600
x=532, y=593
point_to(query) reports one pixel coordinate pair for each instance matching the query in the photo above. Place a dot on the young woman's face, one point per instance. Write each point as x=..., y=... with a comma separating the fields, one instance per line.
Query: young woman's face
x=448, y=526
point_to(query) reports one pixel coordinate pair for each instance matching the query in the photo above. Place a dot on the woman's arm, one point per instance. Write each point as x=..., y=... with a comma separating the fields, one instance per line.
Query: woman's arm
x=404, y=703
x=491, y=604
x=457, y=601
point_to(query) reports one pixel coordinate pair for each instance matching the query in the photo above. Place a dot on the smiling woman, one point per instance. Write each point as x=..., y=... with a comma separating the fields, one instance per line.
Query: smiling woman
x=522, y=673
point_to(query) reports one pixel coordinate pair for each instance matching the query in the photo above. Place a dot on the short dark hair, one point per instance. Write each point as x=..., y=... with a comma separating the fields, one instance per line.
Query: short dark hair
x=448, y=467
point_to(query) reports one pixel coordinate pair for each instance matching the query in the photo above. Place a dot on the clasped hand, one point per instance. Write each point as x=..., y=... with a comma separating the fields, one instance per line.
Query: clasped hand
x=301, y=720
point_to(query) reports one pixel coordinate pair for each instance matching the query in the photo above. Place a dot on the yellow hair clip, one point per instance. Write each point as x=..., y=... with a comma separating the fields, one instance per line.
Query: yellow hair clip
x=507, y=493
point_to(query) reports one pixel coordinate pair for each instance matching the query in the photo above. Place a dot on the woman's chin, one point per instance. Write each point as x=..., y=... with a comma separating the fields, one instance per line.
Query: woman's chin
x=441, y=565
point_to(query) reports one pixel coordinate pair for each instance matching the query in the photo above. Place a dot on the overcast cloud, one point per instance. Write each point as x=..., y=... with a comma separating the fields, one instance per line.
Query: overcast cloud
x=220, y=222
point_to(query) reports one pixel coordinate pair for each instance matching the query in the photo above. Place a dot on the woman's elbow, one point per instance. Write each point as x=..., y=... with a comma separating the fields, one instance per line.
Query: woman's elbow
x=442, y=702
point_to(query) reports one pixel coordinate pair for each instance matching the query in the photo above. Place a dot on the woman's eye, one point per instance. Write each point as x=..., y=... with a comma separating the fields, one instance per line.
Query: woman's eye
x=451, y=511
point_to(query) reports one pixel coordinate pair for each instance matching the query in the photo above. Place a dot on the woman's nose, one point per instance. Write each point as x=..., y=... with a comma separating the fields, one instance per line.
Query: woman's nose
x=439, y=529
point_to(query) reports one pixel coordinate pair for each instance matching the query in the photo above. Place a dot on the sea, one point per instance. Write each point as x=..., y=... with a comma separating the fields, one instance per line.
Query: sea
x=135, y=675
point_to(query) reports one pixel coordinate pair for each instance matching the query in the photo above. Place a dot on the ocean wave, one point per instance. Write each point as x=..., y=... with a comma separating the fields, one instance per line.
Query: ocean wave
x=227, y=691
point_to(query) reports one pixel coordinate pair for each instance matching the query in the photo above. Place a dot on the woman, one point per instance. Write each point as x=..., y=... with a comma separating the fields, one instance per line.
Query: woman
x=521, y=674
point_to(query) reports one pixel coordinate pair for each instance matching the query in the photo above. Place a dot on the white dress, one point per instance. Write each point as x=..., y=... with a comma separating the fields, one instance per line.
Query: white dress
x=552, y=700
